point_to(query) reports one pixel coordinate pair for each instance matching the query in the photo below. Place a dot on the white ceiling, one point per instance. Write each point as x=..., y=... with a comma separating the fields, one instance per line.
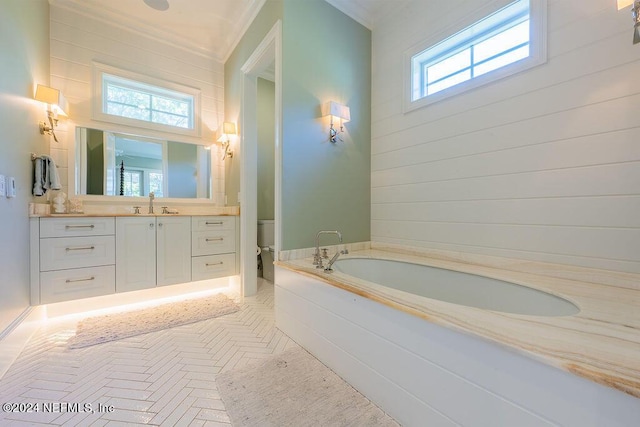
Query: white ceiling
x=207, y=27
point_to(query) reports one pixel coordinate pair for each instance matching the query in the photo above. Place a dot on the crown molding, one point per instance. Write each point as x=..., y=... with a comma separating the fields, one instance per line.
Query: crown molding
x=355, y=10
x=244, y=23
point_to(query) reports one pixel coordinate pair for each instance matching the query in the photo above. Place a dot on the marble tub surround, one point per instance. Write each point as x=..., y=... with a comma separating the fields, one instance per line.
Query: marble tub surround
x=294, y=254
x=601, y=343
x=41, y=210
x=561, y=271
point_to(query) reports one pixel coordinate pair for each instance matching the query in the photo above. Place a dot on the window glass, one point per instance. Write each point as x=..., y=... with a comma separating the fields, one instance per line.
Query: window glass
x=502, y=40
x=139, y=101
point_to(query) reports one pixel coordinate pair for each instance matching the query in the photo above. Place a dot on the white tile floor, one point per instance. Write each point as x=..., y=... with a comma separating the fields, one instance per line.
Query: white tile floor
x=162, y=378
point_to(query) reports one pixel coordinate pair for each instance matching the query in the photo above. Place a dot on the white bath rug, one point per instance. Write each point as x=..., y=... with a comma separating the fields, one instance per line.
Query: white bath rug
x=111, y=327
x=295, y=389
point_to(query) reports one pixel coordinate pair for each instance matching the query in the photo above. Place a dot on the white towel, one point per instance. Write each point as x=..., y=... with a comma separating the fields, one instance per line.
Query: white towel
x=37, y=177
x=45, y=176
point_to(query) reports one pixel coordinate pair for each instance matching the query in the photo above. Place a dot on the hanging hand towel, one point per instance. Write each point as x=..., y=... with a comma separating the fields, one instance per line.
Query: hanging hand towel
x=37, y=177
x=45, y=176
x=51, y=177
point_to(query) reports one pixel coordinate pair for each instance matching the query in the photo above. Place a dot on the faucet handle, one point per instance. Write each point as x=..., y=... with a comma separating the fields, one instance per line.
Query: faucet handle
x=136, y=209
x=324, y=253
x=165, y=210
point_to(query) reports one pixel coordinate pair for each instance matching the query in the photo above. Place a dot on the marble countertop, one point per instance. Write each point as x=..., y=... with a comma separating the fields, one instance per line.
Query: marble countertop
x=600, y=343
x=120, y=212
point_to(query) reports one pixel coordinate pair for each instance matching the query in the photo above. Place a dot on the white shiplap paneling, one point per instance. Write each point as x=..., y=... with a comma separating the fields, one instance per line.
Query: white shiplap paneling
x=543, y=165
x=77, y=40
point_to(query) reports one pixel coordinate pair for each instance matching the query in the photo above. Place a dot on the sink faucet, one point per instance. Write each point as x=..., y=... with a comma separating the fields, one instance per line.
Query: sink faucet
x=317, y=258
x=151, y=197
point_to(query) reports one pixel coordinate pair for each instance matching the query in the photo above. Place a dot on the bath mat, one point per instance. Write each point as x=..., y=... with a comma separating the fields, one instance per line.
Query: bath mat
x=295, y=389
x=111, y=327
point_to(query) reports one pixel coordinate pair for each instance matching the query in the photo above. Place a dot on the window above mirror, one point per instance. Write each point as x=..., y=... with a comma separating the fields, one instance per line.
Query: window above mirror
x=132, y=99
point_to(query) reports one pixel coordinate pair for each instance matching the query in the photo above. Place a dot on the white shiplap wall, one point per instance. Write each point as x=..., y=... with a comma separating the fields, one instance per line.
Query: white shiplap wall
x=544, y=165
x=78, y=39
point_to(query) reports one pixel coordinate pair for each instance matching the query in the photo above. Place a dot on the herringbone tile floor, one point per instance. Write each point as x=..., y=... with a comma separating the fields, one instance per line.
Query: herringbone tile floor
x=163, y=378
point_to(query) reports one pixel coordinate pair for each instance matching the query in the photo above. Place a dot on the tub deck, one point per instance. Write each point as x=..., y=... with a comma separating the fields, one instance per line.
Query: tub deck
x=601, y=343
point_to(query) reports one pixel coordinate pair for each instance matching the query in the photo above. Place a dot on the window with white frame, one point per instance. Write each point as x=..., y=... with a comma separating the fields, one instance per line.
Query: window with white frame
x=505, y=41
x=132, y=99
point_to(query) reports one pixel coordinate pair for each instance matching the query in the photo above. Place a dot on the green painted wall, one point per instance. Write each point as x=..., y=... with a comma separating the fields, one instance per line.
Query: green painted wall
x=183, y=164
x=266, y=148
x=261, y=25
x=325, y=186
x=95, y=161
x=326, y=56
x=24, y=62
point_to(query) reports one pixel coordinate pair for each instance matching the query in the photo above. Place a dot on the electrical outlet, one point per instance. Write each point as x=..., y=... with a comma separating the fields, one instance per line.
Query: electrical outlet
x=2, y=186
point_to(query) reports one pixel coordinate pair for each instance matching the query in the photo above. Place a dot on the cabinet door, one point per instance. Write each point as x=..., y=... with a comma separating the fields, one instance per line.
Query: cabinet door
x=135, y=253
x=174, y=250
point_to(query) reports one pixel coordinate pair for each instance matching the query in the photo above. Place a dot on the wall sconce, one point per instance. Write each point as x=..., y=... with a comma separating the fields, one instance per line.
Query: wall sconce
x=336, y=111
x=56, y=106
x=228, y=128
x=635, y=14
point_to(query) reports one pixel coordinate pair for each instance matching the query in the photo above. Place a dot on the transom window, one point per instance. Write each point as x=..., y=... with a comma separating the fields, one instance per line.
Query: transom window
x=139, y=101
x=136, y=100
x=499, y=44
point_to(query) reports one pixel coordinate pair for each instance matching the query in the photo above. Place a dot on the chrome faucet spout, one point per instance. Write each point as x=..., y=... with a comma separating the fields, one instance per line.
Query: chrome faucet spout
x=317, y=258
x=151, y=197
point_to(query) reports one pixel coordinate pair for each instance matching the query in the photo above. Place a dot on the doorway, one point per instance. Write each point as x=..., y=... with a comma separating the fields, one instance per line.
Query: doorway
x=266, y=57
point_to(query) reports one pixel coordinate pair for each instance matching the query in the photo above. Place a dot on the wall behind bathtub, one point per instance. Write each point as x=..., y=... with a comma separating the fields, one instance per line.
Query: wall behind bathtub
x=24, y=62
x=325, y=56
x=543, y=165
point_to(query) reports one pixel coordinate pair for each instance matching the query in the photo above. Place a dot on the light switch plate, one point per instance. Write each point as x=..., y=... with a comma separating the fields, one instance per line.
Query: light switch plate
x=2, y=186
x=11, y=187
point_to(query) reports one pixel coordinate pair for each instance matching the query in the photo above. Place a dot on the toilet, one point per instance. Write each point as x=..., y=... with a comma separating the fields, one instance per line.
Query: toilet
x=266, y=241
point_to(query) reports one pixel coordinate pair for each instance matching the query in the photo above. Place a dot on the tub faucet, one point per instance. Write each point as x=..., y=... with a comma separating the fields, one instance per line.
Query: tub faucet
x=151, y=197
x=328, y=268
x=317, y=258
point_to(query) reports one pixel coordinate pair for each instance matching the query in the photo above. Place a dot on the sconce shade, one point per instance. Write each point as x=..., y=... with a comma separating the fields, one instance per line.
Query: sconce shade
x=229, y=128
x=624, y=3
x=53, y=97
x=336, y=110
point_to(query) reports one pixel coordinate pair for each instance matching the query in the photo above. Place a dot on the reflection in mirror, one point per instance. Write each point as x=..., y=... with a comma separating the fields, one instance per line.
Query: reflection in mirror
x=113, y=164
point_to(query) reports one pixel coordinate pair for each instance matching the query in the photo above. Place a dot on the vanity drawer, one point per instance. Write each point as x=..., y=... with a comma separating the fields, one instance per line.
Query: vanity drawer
x=65, y=285
x=76, y=252
x=212, y=266
x=71, y=227
x=213, y=242
x=204, y=223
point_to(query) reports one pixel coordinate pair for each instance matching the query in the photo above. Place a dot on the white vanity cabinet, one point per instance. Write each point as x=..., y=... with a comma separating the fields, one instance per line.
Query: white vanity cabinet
x=71, y=258
x=81, y=257
x=173, y=247
x=152, y=251
x=135, y=253
x=213, y=246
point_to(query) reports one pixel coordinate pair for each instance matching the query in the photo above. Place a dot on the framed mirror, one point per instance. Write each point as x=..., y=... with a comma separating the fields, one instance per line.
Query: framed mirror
x=117, y=164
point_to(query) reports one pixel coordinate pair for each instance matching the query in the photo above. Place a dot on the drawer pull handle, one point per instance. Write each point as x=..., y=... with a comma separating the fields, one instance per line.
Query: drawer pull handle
x=214, y=223
x=86, y=279
x=81, y=248
x=79, y=226
x=217, y=239
x=209, y=264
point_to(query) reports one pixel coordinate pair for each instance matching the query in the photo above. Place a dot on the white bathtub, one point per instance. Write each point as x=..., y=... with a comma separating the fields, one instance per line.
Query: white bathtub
x=423, y=373
x=457, y=287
